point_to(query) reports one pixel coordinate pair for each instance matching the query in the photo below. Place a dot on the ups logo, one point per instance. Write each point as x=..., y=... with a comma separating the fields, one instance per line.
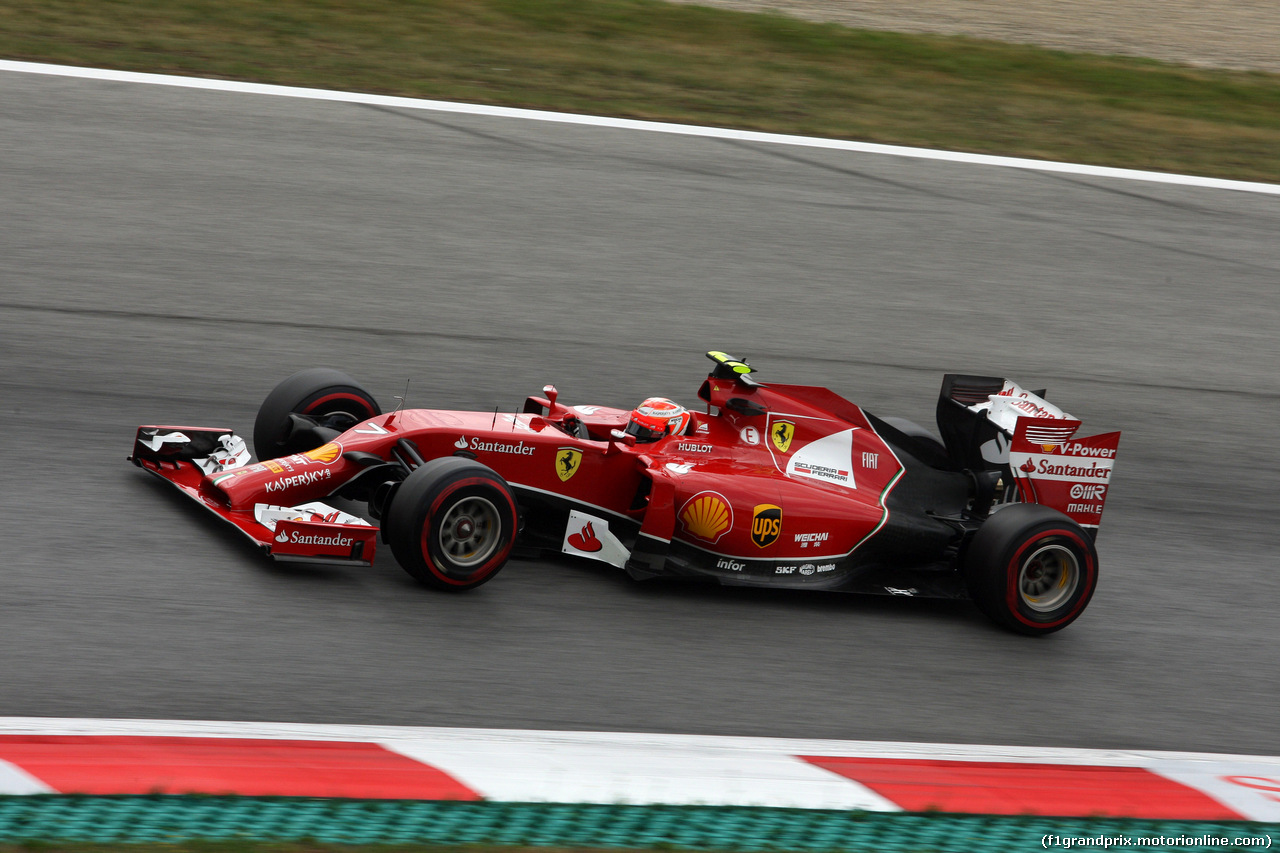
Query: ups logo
x=766, y=525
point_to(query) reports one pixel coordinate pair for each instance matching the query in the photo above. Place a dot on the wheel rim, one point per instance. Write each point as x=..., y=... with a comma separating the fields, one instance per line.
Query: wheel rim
x=470, y=532
x=1048, y=578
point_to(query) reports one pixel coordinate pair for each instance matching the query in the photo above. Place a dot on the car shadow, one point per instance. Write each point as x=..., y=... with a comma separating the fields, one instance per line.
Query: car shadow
x=223, y=535
x=827, y=601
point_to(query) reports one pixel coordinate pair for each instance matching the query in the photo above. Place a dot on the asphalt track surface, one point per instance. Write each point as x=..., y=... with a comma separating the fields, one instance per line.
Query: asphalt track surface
x=168, y=255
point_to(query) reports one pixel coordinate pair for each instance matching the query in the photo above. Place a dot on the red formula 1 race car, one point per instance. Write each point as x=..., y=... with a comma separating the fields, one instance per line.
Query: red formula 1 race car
x=773, y=485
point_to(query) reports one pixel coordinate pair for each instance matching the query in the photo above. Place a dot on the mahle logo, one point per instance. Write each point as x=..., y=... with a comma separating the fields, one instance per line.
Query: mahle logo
x=766, y=525
x=782, y=432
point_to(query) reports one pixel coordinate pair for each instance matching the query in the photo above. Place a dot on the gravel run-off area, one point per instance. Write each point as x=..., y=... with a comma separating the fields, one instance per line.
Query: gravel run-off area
x=1237, y=34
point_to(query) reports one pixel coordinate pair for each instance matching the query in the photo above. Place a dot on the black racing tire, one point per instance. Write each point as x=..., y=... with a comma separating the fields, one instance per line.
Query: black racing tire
x=452, y=523
x=1031, y=569
x=330, y=396
x=914, y=430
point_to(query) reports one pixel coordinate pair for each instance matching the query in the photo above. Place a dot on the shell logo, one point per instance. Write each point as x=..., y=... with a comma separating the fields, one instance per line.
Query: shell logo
x=1048, y=448
x=325, y=453
x=707, y=516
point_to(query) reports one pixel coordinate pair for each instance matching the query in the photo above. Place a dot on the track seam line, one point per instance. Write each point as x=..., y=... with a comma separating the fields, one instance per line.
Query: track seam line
x=635, y=124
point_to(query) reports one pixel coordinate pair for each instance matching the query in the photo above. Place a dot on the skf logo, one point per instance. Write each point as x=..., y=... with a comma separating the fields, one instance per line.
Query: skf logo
x=707, y=516
x=782, y=432
x=325, y=453
x=766, y=525
x=567, y=461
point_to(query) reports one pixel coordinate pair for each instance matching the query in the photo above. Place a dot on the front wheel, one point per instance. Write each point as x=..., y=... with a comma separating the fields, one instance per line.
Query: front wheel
x=452, y=523
x=1031, y=569
x=328, y=398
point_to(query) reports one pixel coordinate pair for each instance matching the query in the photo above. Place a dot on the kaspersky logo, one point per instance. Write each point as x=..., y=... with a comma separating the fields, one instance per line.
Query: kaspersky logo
x=707, y=516
x=781, y=433
x=766, y=525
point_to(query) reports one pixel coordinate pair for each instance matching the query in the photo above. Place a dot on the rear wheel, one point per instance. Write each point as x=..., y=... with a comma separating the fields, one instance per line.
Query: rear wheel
x=329, y=398
x=452, y=523
x=1031, y=569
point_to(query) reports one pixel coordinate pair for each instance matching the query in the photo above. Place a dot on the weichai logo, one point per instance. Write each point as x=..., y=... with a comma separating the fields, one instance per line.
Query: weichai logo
x=707, y=516
x=325, y=453
x=766, y=525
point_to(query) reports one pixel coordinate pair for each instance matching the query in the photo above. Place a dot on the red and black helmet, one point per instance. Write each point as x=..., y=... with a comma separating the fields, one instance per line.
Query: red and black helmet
x=657, y=417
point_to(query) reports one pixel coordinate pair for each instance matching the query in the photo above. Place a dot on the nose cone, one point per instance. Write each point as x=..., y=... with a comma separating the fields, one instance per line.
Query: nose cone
x=286, y=481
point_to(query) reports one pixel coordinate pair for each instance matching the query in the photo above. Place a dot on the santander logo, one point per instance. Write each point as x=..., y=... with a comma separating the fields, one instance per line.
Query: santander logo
x=585, y=539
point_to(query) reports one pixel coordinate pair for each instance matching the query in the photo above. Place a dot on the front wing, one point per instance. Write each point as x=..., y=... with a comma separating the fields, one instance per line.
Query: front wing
x=312, y=532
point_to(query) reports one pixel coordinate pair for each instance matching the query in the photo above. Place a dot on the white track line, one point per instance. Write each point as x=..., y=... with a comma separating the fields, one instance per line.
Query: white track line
x=641, y=740
x=632, y=124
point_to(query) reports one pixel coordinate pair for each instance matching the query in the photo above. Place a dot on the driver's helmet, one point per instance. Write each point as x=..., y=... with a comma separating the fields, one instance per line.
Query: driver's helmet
x=656, y=417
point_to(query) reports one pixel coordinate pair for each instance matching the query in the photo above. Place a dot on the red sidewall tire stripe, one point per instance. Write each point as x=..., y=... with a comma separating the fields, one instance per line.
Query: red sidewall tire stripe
x=1089, y=570
x=495, y=562
x=341, y=395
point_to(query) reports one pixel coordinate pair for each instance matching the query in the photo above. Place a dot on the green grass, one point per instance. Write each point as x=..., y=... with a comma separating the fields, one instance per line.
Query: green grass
x=651, y=60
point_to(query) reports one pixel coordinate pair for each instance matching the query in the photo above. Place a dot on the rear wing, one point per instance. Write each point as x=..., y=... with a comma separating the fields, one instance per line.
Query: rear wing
x=992, y=424
x=1072, y=475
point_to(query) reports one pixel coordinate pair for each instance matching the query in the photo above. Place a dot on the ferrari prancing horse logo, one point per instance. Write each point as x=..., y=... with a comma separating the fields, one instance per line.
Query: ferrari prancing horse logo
x=567, y=461
x=781, y=432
